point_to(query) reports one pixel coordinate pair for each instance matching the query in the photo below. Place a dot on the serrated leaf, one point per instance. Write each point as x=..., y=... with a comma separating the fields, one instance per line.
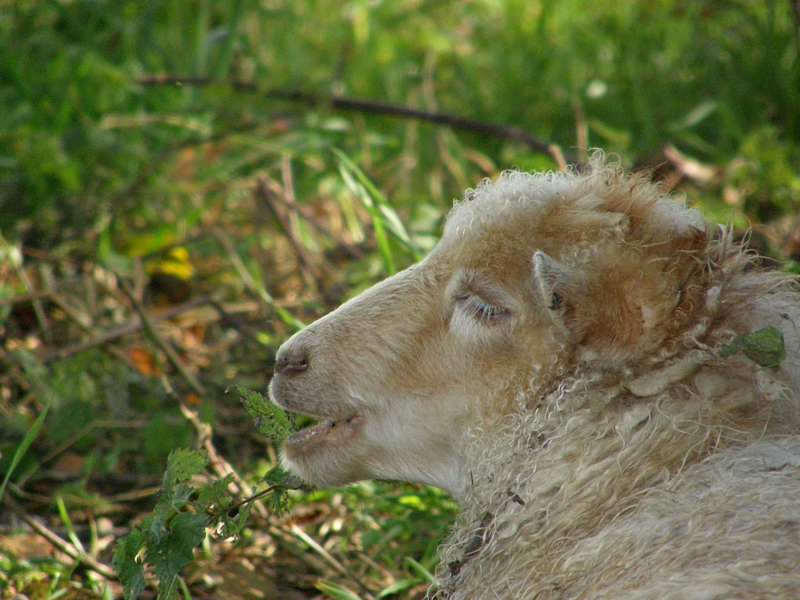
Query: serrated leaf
x=281, y=482
x=215, y=492
x=182, y=465
x=183, y=494
x=279, y=477
x=279, y=501
x=176, y=550
x=130, y=570
x=764, y=347
x=232, y=525
x=154, y=525
x=271, y=421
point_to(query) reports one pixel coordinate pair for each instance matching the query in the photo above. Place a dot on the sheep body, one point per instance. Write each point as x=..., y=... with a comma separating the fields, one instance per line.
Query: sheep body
x=558, y=363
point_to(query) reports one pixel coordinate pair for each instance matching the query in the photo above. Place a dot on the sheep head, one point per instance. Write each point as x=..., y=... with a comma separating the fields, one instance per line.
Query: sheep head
x=535, y=276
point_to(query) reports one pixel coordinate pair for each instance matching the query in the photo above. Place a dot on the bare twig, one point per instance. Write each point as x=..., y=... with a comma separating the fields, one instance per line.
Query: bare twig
x=367, y=106
x=307, y=267
x=316, y=547
x=126, y=329
x=60, y=543
x=352, y=251
x=165, y=346
x=38, y=309
x=27, y=297
x=219, y=465
x=791, y=244
x=558, y=156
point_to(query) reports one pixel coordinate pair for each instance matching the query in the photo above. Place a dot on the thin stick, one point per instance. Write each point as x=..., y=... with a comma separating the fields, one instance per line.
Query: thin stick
x=307, y=267
x=327, y=556
x=38, y=309
x=353, y=251
x=27, y=297
x=367, y=106
x=165, y=346
x=59, y=542
x=126, y=329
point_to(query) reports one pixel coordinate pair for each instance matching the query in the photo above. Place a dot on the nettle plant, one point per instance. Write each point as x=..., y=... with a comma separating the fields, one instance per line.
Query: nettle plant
x=187, y=510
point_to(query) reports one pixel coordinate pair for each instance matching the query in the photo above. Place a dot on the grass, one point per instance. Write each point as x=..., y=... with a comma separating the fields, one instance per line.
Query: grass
x=232, y=218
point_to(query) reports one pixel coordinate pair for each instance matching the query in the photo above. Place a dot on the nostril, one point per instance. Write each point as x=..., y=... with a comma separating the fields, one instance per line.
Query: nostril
x=291, y=363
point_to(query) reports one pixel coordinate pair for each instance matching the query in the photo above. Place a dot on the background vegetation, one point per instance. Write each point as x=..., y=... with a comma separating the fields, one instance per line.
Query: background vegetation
x=162, y=236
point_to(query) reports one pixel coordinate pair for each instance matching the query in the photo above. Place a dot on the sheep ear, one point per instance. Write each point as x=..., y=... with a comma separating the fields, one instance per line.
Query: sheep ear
x=553, y=280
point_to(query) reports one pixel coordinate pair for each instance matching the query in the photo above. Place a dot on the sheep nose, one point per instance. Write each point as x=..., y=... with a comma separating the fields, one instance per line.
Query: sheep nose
x=291, y=362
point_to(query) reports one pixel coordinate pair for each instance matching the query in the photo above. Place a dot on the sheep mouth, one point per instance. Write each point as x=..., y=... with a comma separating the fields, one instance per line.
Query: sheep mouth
x=327, y=430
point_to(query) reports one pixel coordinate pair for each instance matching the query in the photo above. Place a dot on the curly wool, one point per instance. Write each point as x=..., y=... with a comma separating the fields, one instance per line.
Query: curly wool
x=675, y=477
x=560, y=364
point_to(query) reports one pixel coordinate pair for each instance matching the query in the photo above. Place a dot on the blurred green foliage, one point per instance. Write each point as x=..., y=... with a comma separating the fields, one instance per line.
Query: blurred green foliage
x=108, y=177
x=77, y=130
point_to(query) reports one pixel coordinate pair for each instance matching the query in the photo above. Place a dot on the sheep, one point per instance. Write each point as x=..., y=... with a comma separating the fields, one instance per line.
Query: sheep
x=564, y=364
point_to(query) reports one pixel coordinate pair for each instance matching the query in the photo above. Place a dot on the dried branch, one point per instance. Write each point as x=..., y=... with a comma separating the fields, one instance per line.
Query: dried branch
x=38, y=309
x=59, y=542
x=365, y=106
x=307, y=267
x=351, y=250
x=165, y=346
x=125, y=329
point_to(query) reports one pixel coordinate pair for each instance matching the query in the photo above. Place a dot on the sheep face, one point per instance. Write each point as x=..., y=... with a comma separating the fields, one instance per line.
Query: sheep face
x=533, y=275
x=398, y=374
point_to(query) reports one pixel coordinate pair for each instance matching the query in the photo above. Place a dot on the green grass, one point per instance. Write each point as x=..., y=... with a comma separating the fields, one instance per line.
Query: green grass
x=104, y=178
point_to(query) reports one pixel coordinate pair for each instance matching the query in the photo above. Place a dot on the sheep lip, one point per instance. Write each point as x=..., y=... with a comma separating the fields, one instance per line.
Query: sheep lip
x=316, y=433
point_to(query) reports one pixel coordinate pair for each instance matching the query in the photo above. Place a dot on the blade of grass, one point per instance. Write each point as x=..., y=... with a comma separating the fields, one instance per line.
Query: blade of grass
x=422, y=571
x=26, y=442
x=254, y=287
x=187, y=595
x=377, y=223
x=392, y=220
x=228, y=43
x=396, y=587
x=384, y=217
x=336, y=591
x=62, y=512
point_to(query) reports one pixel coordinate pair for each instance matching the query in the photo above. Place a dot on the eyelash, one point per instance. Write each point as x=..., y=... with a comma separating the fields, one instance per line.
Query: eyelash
x=481, y=310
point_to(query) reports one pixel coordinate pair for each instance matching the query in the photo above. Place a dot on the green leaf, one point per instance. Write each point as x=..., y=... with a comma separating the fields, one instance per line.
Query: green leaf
x=281, y=482
x=232, y=525
x=271, y=420
x=182, y=465
x=176, y=550
x=215, y=492
x=279, y=477
x=129, y=569
x=764, y=347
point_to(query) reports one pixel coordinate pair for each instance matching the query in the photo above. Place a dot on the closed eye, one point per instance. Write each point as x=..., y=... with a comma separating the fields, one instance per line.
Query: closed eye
x=481, y=310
